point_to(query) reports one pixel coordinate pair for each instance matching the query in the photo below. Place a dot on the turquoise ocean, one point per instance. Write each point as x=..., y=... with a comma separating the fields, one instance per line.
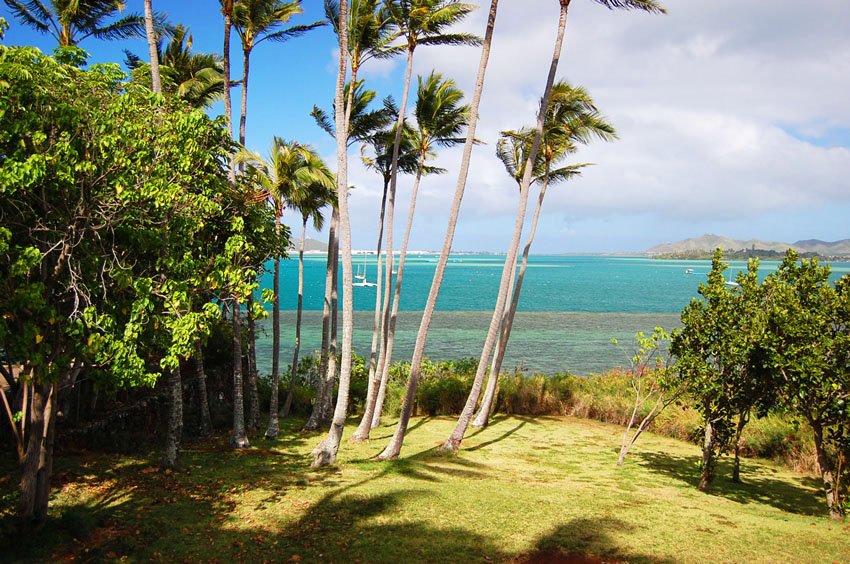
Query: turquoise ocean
x=570, y=309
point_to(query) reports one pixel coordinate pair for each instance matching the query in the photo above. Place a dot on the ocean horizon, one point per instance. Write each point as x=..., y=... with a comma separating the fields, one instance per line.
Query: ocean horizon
x=571, y=307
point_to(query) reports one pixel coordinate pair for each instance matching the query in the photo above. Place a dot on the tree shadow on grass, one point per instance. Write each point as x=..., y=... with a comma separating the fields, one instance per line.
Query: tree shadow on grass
x=584, y=541
x=500, y=438
x=799, y=495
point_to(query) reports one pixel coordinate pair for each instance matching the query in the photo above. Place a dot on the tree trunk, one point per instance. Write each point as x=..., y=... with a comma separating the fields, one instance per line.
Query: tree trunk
x=239, y=438
x=31, y=469
x=227, y=11
x=174, y=431
x=325, y=453
x=483, y=417
x=156, y=83
x=243, y=112
x=45, y=456
x=204, y=403
x=362, y=432
x=736, y=469
x=293, y=375
x=394, y=447
x=830, y=486
x=333, y=348
x=390, y=343
x=452, y=444
x=250, y=349
x=315, y=419
x=708, y=460
x=273, y=429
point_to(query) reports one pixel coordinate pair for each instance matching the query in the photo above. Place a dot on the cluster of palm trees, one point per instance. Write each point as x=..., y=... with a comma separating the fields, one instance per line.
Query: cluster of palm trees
x=292, y=176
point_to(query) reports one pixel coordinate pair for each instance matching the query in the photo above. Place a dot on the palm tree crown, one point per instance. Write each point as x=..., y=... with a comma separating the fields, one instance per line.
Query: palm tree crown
x=263, y=20
x=72, y=21
x=440, y=115
x=423, y=22
x=363, y=122
x=371, y=30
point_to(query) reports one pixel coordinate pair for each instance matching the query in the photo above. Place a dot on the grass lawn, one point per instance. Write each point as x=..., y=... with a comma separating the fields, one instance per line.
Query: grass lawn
x=522, y=490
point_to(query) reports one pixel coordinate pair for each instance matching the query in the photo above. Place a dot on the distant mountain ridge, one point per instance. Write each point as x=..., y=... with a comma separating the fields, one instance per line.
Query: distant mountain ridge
x=709, y=242
x=310, y=245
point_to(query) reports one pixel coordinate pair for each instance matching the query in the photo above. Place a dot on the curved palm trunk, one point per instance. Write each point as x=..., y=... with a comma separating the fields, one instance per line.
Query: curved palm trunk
x=452, y=444
x=315, y=419
x=333, y=349
x=325, y=452
x=239, y=438
x=362, y=432
x=388, y=356
x=293, y=374
x=483, y=417
x=156, y=83
x=273, y=429
x=394, y=447
x=201, y=375
x=243, y=112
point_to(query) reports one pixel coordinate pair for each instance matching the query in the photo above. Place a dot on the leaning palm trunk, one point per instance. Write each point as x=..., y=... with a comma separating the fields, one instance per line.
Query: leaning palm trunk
x=315, y=419
x=362, y=432
x=333, y=348
x=239, y=438
x=156, y=83
x=388, y=355
x=452, y=444
x=293, y=373
x=274, y=425
x=325, y=452
x=227, y=9
x=483, y=417
x=394, y=447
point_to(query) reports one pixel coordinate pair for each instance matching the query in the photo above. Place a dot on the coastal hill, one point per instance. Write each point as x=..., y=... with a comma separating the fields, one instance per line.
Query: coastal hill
x=709, y=242
x=310, y=246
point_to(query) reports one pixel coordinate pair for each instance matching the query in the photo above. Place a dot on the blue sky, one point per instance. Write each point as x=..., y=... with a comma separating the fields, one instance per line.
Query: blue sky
x=733, y=119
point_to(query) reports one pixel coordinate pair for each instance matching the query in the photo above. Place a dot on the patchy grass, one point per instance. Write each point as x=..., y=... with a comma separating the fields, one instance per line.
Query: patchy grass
x=523, y=490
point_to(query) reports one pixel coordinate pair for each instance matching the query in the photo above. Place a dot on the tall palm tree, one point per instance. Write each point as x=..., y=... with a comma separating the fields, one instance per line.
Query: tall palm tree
x=257, y=21
x=452, y=444
x=440, y=120
x=325, y=452
x=572, y=118
x=308, y=200
x=196, y=77
x=289, y=168
x=419, y=22
x=363, y=123
x=394, y=447
x=70, y=22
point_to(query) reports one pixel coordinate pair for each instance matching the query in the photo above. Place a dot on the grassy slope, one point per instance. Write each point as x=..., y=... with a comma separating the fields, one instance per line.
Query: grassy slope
x=521, y=486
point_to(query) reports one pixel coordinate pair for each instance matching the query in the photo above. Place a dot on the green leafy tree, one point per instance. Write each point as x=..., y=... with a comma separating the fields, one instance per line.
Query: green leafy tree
x=807, y=349
x=714, y=352
x=106, y=190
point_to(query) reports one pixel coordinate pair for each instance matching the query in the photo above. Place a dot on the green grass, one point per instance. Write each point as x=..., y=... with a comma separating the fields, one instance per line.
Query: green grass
x=521, y=487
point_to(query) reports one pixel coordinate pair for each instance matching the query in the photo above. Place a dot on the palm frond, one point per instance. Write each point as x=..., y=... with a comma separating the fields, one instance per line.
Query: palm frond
x=468, y=39
x=289, y=33
x=32, y=14
x=651, y=6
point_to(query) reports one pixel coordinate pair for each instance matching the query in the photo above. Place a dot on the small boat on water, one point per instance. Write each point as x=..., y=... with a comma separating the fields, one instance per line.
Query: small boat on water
x=689, y=271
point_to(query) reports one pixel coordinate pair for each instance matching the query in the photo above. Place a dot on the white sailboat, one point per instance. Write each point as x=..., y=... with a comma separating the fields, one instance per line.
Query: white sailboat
x=361, y=276
x=361, y=273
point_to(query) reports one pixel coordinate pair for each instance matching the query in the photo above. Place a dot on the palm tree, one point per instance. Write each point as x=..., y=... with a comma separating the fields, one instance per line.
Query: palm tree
x=452, y=444
x=440, y=120
x=325, y=452
x=572, y=118
x=363, y=124
x=195, y=77
x=308, y=199
x=257, y=21
x=72, y=22
x=394, y=447
x=290, y=168
x=419, y=22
